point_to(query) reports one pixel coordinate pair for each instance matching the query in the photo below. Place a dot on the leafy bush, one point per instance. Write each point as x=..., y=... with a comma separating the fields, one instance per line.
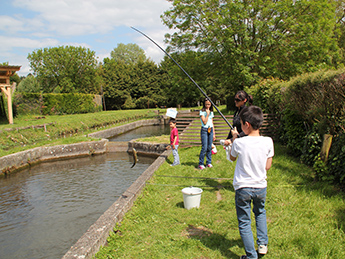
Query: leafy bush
x=68, y=103
x=28, y=103
x=311, y=148
x=319, y=97
x=268, y=95
x=293, y=133
x=309, y=106
x=36, y=103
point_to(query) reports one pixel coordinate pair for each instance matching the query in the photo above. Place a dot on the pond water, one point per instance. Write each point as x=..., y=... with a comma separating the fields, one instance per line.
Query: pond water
x=45, y=209
x=142, y=132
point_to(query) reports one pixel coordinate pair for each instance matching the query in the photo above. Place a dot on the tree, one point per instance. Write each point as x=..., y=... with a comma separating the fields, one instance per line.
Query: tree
x=132, y=85
x=65, y=69
x=128, y=53
x=182, y=90
x=247, y=40
x=29, y=85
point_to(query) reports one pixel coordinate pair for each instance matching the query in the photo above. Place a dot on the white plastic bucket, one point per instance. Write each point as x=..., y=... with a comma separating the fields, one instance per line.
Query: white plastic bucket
x=191, y=197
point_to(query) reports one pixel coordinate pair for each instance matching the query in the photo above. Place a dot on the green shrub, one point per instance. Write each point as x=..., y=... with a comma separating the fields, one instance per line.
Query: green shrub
x=293, y=133
x=321, y=171
x=37, y=103
x=267, y=94
x=28, y=103
x=311, y=149
x=68, y=103
x=319, y=98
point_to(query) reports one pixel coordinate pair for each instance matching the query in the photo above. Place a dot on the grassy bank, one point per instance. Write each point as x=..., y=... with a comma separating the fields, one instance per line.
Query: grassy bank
x=32, y=131
x=305, y=219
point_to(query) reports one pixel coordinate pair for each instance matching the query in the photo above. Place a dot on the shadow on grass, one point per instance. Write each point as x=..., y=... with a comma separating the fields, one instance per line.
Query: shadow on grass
x=341, y=219
x=214, y=241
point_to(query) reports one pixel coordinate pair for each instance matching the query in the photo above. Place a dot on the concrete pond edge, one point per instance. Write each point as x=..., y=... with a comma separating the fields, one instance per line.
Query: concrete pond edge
x=23, y=159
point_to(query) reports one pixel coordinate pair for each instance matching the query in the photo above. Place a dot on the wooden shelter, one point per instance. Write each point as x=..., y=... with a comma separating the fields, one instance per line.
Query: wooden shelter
x=5, y=73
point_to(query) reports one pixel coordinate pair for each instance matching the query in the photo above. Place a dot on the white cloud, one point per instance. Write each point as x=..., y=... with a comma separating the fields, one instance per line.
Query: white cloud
x=95, y=24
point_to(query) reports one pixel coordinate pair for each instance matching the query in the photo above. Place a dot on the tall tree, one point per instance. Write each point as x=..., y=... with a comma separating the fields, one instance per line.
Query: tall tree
x=182, y=90
x=129, y=53
x=250, y=39
x=65, y=69
x=137, y=85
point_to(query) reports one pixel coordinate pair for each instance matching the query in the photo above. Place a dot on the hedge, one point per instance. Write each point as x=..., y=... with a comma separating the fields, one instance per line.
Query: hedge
x=308, y=107
x=57, y=104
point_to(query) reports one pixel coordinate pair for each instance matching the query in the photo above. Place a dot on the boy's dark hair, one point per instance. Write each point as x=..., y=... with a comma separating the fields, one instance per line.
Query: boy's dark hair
x=172, y=120
x=252, y=114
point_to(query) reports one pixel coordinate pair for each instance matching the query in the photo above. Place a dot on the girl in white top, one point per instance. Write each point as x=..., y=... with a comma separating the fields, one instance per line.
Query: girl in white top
x=207, y=134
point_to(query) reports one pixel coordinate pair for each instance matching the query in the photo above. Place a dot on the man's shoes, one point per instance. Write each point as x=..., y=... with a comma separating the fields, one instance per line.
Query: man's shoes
x=262, y=249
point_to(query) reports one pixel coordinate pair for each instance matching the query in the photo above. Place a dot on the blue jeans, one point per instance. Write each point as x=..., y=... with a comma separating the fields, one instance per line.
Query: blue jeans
x=243, y=199
x=176, y=156
x=206, y=146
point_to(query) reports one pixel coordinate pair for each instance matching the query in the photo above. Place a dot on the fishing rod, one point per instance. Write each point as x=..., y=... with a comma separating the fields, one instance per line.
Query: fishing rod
x=221, y=114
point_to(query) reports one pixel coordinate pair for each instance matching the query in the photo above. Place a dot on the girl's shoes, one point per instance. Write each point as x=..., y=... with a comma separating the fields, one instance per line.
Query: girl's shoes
x=201, y=167
x=209, y=165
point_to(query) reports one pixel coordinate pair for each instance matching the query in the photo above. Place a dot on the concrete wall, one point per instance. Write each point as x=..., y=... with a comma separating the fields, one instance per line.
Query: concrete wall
x=26, y=158
x=145, y=148
x=124, y=128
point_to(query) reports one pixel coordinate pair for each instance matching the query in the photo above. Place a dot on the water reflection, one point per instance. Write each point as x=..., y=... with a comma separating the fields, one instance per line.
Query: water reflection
x=143, y=132
x=45, y=209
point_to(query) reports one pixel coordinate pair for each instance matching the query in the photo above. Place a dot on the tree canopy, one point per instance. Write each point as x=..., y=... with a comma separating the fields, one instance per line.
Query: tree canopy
x=65, y=69
x=128, y=53
x=248, y=40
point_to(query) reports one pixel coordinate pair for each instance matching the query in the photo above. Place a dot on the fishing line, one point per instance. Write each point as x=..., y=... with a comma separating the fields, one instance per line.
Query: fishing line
x=180, y=185
x=205, y=178
x=221, y=114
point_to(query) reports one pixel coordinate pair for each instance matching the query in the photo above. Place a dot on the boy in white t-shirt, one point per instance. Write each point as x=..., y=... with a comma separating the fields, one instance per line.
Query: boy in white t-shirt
x=254, y=154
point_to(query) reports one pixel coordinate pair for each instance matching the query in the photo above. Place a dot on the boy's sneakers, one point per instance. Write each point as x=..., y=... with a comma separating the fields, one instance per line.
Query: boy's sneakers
x=209, y=165
x=262, y=249
x=201, y=167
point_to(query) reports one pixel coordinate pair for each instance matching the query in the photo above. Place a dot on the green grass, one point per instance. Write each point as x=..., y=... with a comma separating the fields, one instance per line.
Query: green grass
x=62, y=129
x=305, y=218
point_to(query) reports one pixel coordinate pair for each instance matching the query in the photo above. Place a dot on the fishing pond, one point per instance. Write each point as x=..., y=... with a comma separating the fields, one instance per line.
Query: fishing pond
x=46, y=208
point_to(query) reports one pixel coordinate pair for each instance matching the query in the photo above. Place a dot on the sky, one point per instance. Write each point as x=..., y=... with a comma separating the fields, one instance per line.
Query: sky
x=100, y=25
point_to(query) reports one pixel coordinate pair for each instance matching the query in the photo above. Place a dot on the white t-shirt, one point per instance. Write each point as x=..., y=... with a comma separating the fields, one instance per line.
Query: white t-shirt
x=252, y=154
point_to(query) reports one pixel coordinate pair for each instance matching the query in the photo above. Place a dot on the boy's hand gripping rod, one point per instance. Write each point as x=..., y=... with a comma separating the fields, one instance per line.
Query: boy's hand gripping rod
x=221, y=114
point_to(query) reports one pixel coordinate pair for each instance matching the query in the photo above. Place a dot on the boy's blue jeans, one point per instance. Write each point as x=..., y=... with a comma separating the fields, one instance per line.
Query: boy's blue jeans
x=243, y=199
x=206, y=146
x=175, y=154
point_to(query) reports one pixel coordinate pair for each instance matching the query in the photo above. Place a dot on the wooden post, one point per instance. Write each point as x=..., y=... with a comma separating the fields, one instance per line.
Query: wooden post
x=8, y=92
x=5, y=73
x=326, y=146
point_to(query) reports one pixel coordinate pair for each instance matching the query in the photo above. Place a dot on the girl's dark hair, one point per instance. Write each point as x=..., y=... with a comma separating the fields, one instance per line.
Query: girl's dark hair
x=244, y=95
x=204, y=107
x=252, y=114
